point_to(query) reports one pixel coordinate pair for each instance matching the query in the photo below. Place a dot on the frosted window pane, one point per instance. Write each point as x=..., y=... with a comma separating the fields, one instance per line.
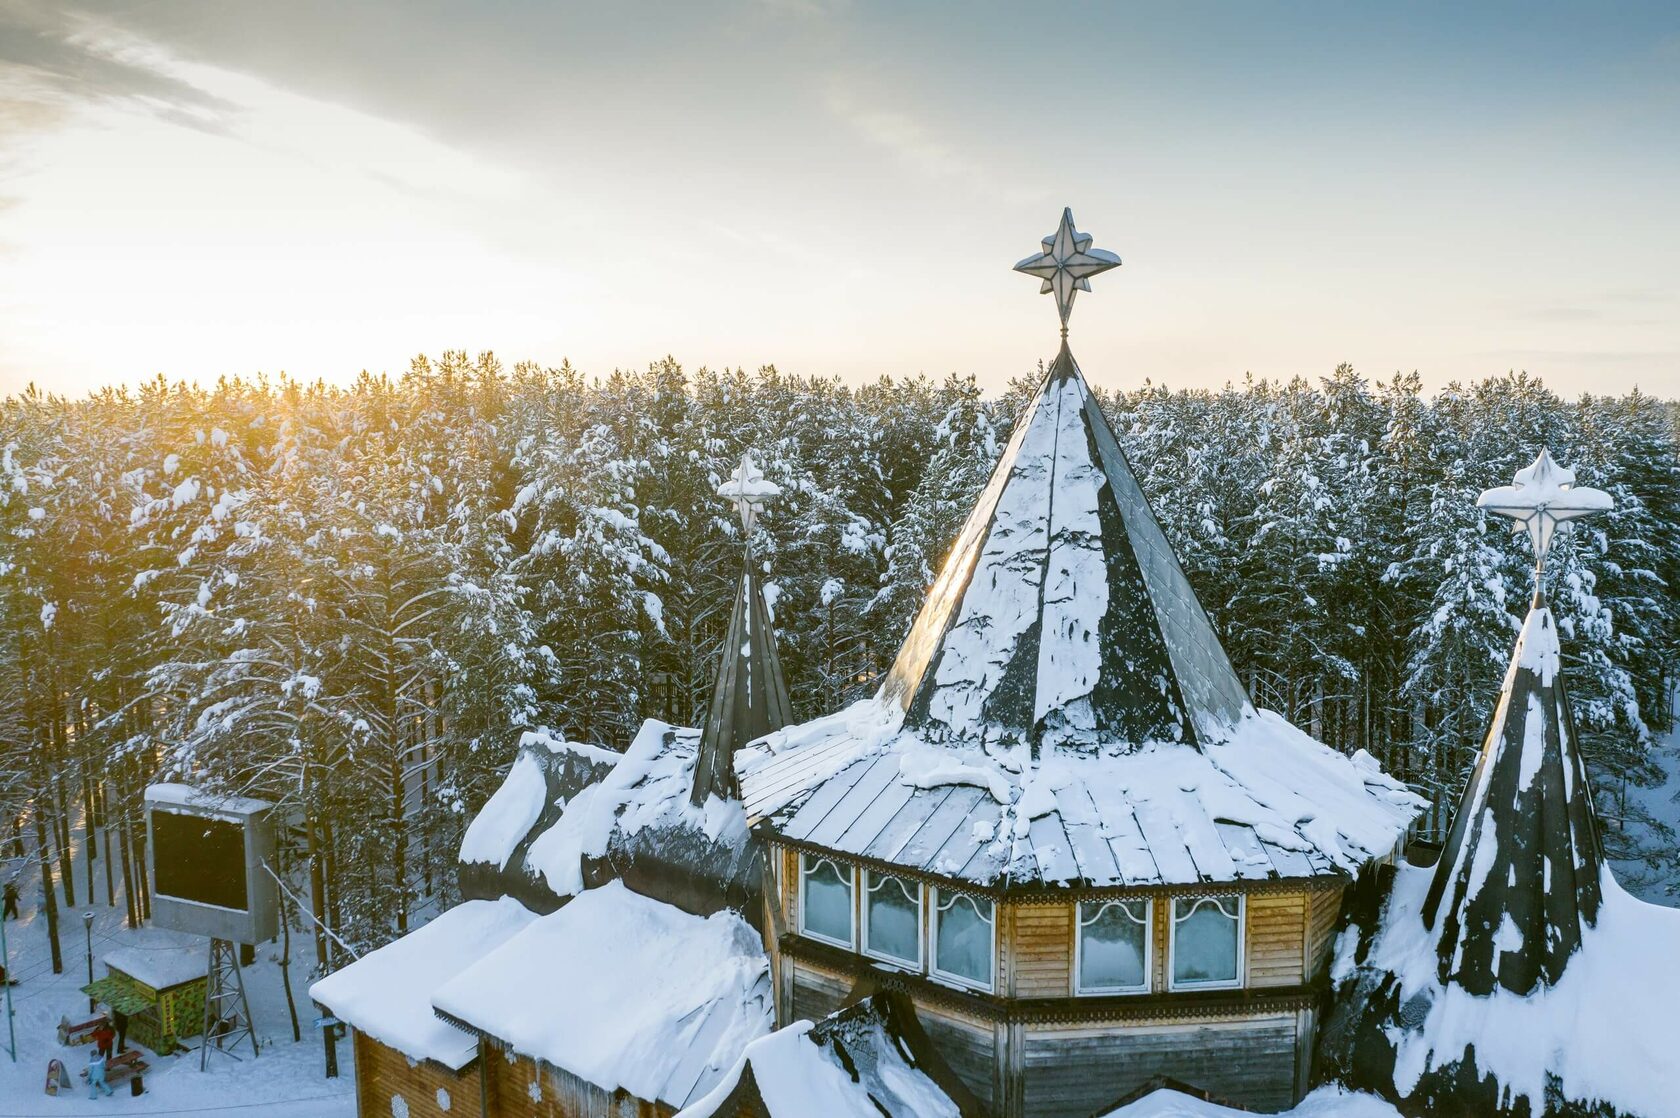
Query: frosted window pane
x=828, y=901
x=1205, y=941
x=895, y=918
x=1112, y=945
x=964, y=938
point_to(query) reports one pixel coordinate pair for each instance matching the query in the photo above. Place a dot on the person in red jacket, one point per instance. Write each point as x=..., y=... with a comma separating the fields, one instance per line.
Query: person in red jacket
x=103, y=1037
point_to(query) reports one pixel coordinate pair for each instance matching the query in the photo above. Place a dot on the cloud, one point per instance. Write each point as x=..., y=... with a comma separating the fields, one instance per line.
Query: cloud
x=52, y=62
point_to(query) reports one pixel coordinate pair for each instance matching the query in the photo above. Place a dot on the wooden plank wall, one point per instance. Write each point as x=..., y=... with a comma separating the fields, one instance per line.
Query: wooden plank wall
x=382, y=1073
x=816, y=993
x=1072, y=1073
x=1321, y=929
x=1043, y=950
x=1276, y=930
x=969, y=1046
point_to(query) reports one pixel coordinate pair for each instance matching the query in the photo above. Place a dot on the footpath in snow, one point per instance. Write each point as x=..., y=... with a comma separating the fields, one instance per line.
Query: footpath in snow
x=285, y=1081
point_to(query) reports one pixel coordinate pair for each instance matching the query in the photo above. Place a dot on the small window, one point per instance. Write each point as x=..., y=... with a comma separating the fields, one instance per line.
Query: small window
x=892, y=918
x=1114, y=947
x=1206, y=942
x=963, y=943
x=825, y=900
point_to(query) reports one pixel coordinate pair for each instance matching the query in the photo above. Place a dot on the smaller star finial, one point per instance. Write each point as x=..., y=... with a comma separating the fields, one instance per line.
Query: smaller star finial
x=1545, y=496
x=1067, y=264
x=749, y=492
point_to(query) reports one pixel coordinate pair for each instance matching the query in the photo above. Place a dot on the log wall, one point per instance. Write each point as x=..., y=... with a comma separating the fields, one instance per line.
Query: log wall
x=384, y=1074
x=520, y=1087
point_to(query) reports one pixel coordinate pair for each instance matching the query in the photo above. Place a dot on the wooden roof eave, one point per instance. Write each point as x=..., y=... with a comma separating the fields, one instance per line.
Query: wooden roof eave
x=1021, y=892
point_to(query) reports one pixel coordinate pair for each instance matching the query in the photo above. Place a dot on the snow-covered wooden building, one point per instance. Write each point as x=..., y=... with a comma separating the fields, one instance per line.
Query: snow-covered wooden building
x=1061, y=828
x=1058, y=857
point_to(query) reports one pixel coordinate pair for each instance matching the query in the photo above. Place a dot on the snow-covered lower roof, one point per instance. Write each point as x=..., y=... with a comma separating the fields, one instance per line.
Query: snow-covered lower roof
x=623, y=991
x=565, y=808
x=1326, y=1102
x=387, y=993
x=1603, y=1033
x=1265, y=802
x=848, y=1065
x=159, y=967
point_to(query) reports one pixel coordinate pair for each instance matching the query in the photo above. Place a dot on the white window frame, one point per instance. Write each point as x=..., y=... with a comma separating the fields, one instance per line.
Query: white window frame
x=807, y=863
x=932, y=924
x=1079, y=923
x=917, y=893
x=1242, y=940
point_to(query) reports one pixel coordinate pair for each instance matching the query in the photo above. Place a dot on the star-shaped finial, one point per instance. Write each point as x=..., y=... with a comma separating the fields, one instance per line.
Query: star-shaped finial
x=1067, y=264
x=1545, y=495
x=749, y=491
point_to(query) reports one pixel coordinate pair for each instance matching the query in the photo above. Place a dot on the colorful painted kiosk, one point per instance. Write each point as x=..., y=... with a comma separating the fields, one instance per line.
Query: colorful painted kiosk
x=160, y=991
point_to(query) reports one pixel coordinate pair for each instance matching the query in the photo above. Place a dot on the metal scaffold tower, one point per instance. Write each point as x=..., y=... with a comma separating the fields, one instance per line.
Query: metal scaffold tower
x=227, y=1012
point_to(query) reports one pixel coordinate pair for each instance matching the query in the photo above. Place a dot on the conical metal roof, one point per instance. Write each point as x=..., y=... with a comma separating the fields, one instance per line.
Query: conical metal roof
x=1062, y=617
x=750, y=697
x=1518, y=880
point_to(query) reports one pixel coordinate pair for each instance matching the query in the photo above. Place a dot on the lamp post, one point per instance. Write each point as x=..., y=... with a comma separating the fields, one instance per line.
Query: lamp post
x=5, y=962
x=87, y=926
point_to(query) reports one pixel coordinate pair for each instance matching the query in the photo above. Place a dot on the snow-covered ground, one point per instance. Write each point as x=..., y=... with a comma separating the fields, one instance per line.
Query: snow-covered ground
x=285, y=1081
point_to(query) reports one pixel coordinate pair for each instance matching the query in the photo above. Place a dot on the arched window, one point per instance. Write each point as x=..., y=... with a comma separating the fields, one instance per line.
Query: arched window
x=825, y=900
x=964, y=939
x=1206, y=942
x=892, y=925
x=1114, y=947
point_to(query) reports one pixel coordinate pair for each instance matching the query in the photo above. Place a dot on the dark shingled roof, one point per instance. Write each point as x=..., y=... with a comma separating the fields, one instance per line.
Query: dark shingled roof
x=1518, y=879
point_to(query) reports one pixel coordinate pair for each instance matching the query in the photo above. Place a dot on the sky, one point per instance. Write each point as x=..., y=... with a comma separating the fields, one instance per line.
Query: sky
x=840, y=189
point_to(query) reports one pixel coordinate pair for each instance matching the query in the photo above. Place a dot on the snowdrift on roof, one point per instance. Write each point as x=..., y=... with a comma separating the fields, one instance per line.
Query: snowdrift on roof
x=1599, y=1041
x=1266, y=802
x=1326, y=1102
x=870, y=1060
x=571, y=816
x=387, y=993
x=623, y=991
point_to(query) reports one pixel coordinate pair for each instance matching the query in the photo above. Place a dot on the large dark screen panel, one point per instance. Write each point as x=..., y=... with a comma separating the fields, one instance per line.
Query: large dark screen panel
x=199, y=859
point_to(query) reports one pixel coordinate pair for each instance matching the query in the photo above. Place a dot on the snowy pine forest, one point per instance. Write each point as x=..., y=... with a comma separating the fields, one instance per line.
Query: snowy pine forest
x=353, y=600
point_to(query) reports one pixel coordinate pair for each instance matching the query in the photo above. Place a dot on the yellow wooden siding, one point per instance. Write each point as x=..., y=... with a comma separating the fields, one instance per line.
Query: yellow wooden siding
x=1321, y=929
x=1042, y=944
x=1276, y=929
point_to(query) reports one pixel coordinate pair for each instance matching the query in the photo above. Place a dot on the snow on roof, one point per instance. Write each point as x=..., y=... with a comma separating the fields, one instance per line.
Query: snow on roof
x=1605, y=1029
x=1266, y=802
x=509, y=813
x=159, y=967
x=1326, y=1102
x=235, y=808
x=648, y=786
x=847, y=1066
x=387, y=993
x=623, y=991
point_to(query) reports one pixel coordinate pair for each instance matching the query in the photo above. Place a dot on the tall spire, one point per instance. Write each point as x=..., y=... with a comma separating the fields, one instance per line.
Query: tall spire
x=1518, y=879
x=1062, y=616
x=749, y=698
